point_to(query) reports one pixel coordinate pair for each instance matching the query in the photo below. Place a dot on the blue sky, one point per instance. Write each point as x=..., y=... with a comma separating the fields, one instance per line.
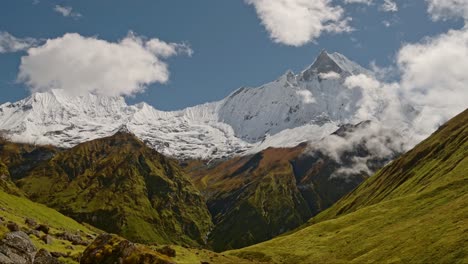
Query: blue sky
x=231, y=48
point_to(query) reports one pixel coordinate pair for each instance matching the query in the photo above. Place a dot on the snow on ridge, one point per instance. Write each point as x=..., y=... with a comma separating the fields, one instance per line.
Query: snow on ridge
x=248, y=120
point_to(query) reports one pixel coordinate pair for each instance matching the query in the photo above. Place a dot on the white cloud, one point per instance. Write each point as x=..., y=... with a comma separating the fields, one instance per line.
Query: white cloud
x=307, y=96
x=435, y=79
x=66, y=11
x=10, y=43
x=329, y=75
x=81, y=65
x=443, y=9
x=366, y=2
x=298, y=22
x=389, y=6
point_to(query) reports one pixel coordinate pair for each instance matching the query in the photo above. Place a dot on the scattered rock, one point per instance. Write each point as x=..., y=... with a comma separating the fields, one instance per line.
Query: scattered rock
x=58, y=254
x=30, y=222
x=12, y=226
x=44, y=228
x=75, y=239
x=69, y=247
x=44, y=257
x=33, y=232
x=47, y=239
x=108, y=248
x=16, y=248
x=168, y=251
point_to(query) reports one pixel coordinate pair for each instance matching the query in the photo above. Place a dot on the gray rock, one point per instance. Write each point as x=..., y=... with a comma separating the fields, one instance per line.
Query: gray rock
x=17, y=248
x=43, y=228
x=30, y=222
x=44, y=257
x=47, y=239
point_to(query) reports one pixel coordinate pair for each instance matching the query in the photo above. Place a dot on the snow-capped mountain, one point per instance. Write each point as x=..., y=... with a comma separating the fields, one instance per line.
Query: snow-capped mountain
x=293, y=109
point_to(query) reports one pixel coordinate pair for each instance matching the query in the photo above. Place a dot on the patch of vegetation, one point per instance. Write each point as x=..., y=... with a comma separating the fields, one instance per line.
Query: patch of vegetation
x=120, y=185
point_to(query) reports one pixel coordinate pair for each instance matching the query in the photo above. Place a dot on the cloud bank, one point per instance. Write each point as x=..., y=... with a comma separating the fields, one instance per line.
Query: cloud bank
x=80, y=65
x=10, y=43
x=298, y=22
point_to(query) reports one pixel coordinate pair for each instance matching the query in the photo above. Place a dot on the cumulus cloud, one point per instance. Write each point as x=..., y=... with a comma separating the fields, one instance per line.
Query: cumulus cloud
x=434, y=78
x=444, y=9
x=298, y=22
x=66, y=11
x=10, y=43
x=389, y=6
x=79, y=64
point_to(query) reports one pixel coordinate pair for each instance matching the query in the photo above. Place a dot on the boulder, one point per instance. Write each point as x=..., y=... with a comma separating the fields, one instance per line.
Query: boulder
x=30, y=222
x=44, y=257
x=12, y=226
x=47, y=239
x=168, y=251
x=16, y=248
x=44, y=228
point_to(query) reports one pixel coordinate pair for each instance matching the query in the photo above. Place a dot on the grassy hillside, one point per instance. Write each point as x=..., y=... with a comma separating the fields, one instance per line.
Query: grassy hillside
x=257, y=197
x=414, y=210
x=16, y=209
x=120, y=185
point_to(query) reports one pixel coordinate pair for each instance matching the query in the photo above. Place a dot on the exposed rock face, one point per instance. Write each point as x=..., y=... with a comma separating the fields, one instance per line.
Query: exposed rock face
x=110, y=249
x=16, y=248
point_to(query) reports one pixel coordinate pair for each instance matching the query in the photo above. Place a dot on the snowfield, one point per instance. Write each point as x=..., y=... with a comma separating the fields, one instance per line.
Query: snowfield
x=293, y=109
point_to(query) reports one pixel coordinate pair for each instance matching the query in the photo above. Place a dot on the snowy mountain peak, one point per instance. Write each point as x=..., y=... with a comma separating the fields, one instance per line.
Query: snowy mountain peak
x=328, y=64
x=283, y=113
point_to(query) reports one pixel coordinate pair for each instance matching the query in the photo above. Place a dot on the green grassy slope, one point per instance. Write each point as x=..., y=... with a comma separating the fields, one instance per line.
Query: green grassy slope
x=415, y=210
x=17, y=209
x=120, y=185
x=257, y=197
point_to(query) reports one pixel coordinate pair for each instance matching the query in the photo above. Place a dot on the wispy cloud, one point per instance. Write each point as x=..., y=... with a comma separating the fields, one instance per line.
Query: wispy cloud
x=67, y=11
x=389, y=6
x=366, y=2
x=10, y=43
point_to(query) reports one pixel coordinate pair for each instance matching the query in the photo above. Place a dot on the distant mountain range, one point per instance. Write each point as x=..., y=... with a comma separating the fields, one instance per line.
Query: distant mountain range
x=284, y=113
